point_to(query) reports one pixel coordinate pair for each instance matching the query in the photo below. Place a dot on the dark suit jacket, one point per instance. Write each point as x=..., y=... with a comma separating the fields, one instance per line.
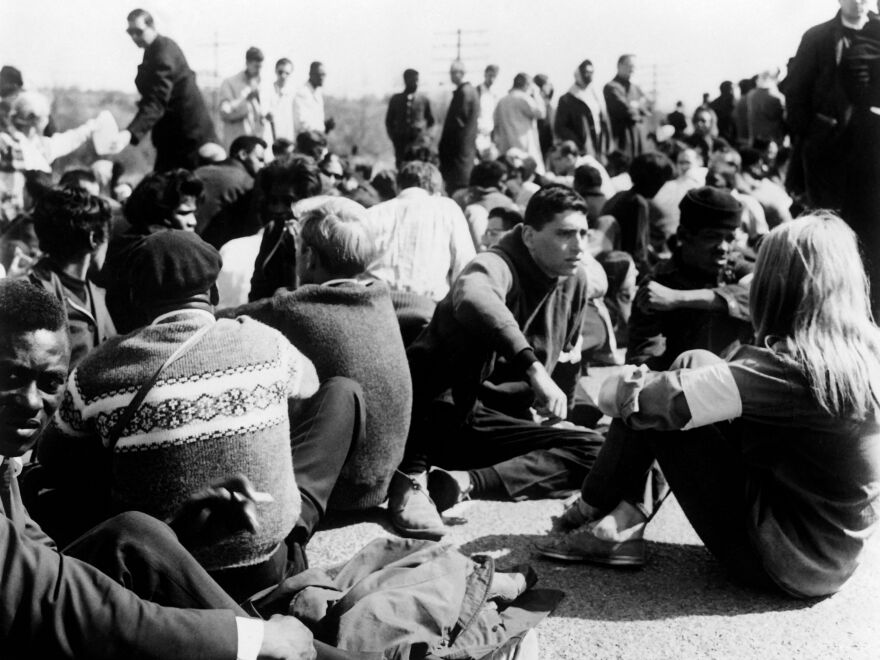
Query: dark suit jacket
x=227, y=210
x=574, y=121
x=406, y=126
x=52, y=606
x=458, y=147
x=172, y=106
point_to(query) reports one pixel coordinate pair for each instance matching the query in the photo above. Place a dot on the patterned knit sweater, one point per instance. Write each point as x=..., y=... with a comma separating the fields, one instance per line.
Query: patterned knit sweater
x=219, y=409
x=350, y=329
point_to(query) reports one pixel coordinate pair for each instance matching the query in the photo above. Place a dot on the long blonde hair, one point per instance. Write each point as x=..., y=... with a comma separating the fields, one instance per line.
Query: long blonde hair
x=810, y=288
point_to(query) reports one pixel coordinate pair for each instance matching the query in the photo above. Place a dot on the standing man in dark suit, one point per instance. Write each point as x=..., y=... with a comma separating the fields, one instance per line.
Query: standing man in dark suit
x=409, y=116
x=458, y=146
x=67, y=605
x=832, y=98
x=171, y=105
x=627, y=108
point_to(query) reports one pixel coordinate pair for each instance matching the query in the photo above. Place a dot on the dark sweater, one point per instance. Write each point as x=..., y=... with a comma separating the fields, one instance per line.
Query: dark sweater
x=350, y=329
x=501, y=311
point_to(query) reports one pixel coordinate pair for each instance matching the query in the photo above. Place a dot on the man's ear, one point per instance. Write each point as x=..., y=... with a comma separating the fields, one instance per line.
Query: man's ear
x=311, y=259
x=93, y=240
x=528, y=235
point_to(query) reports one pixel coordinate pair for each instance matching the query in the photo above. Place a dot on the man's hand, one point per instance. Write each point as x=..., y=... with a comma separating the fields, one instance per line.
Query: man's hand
x=661, y=298
x=220, y=510
x=549, y=399
x=285, y=638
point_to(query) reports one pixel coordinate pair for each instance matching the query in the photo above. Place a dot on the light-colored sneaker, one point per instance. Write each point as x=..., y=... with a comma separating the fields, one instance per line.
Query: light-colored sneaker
x=413, y=513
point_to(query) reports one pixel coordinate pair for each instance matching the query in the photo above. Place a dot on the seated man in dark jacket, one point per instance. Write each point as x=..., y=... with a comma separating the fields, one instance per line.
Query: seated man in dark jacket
x=518, y=309
x=697, y=298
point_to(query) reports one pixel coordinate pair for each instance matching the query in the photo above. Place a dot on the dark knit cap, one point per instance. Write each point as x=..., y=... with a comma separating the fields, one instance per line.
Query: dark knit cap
x=172, y=265
x=253, y=54
x=709, y=208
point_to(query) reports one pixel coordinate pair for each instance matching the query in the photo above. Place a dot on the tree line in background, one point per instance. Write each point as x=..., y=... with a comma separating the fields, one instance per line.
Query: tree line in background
x=360, y=125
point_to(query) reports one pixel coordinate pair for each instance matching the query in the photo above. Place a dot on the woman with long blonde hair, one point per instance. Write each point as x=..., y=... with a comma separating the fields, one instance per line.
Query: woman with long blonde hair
x=773, y=454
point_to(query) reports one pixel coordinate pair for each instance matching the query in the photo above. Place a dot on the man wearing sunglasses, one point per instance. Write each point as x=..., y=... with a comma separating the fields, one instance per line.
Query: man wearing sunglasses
x=171, y=105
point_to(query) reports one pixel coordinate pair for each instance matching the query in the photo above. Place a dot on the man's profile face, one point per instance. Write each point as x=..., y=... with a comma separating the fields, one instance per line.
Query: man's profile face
x=141, y=34
x=558, y=246
x=626, y=68
x=494, y=231
x=489, y=76
x=184, y=216
x=707, y=250
x=33, y=370
x=253, y=162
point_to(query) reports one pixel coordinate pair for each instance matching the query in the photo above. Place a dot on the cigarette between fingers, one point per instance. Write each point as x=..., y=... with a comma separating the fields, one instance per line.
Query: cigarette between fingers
x=257, y=496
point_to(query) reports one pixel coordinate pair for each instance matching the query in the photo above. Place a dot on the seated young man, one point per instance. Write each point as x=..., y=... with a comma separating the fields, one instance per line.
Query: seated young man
x=73, y=604
x=696, y=299
x=514, y=313
x=73, y=228
x=222, y=406
x=347, y=327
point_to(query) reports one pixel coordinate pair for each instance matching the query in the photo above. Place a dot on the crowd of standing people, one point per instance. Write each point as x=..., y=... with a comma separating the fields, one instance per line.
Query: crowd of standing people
x=197, y=368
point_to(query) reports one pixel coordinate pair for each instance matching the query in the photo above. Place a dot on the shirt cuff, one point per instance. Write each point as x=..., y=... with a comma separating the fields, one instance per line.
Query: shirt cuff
x=711, y=394
x=250, y=637
x=524, y=359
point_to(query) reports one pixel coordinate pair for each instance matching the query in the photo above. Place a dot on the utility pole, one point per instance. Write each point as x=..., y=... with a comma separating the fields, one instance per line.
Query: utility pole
x=469, y=46
x=214, y=76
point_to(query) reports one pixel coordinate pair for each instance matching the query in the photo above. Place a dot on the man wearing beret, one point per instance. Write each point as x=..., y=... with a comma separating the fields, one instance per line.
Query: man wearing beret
x=238, y=399
x=91, y=599
x=696, y=299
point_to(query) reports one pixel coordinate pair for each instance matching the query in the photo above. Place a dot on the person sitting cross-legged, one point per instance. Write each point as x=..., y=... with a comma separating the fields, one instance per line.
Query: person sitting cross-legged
x=773, y=453
x=127, y=588
x=699, y=298
x=515, y=313
x=221, y=397
x=347, y=327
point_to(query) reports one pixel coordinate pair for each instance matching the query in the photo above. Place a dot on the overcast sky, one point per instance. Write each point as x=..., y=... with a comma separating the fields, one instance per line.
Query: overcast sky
x=685, y=47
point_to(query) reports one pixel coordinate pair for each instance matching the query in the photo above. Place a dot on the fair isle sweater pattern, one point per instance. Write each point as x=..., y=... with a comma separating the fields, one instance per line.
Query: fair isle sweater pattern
x=220, y=409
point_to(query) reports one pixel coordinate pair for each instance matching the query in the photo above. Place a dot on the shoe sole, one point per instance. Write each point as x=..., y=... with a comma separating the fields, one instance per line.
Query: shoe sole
x=424, y=534
x=629, y=561
x=441, y=484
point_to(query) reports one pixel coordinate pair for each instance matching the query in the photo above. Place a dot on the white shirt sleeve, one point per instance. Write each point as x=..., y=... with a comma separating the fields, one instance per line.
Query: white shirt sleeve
x=250, y=637
x=711, y=394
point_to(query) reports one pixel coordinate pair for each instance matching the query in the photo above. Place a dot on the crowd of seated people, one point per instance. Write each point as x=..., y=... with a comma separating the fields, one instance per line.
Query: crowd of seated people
x=239, y=350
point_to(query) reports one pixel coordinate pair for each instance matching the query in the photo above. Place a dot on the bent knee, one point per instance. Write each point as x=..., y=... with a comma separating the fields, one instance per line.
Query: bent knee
x=695, y=358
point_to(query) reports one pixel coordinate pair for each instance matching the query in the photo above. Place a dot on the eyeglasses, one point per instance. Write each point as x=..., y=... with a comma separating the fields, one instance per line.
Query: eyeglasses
x=135, y=32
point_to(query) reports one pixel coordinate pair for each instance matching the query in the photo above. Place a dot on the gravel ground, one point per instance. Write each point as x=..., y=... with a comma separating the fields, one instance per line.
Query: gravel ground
x=679, y=605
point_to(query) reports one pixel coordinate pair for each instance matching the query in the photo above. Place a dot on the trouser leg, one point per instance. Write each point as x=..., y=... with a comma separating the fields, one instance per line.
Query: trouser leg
x=620, y=471
x=531, y=460
x=332, y=421
x=706, y=471
x=144, y=555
